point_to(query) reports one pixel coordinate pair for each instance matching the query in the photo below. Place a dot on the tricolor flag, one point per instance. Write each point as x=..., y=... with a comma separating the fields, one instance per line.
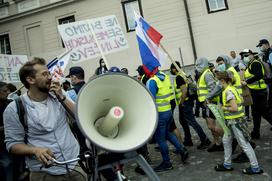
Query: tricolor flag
x=58, y=65
x=149, y=44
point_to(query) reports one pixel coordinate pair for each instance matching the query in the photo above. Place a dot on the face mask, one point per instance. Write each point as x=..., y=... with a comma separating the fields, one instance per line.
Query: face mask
x=221, y=68
x=246, y=60
x=262, y=49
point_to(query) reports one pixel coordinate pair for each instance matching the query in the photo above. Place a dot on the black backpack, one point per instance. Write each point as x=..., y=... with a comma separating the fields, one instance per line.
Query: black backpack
x=192, y=88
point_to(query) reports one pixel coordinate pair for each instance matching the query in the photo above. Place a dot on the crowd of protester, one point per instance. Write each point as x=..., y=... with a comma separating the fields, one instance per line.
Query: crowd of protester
x=242, y=86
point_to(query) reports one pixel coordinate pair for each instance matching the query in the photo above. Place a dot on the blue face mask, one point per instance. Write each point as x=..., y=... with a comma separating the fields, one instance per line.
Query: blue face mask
x=221, y=68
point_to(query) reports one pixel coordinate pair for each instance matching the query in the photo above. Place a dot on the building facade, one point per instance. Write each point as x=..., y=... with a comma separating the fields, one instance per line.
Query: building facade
x=191, y=28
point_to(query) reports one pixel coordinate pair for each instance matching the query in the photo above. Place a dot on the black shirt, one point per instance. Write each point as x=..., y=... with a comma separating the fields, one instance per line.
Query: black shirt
x=256, y=70
x=179, y=81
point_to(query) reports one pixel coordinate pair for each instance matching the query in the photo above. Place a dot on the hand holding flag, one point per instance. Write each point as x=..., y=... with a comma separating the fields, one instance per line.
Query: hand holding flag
x=58, y=65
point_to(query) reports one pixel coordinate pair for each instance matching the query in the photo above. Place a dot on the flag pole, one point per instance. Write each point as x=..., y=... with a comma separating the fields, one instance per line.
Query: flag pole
x=99, y=46
x=172, y=60
x=6, y=71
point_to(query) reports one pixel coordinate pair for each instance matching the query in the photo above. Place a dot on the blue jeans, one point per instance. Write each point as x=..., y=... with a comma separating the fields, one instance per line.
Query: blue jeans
x=188, y=115
x=162, y=134
x=6, y=166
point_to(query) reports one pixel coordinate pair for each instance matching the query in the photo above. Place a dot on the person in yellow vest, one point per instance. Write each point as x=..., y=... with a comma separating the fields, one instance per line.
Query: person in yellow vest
x=254, y=75
x=206, y=85
x=159, y=85
x=235, y=120
x=224, y=64
x=185, y=104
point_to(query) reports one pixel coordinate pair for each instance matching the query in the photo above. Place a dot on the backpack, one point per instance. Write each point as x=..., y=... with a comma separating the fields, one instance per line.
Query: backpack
x=192, y=88
x=267, y=72
x=21, y=171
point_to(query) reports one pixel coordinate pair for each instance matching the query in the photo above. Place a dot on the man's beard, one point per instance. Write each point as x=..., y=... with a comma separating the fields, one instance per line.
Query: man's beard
x=45, y=88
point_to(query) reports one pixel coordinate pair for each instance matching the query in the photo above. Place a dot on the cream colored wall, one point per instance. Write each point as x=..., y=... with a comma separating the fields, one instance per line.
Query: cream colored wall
x=239, y=27
x=242, y=26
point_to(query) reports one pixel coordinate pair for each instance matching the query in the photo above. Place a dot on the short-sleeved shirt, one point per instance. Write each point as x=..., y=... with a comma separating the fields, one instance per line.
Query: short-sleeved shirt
x=180, y=81
x=230, y=96
x=47, y=128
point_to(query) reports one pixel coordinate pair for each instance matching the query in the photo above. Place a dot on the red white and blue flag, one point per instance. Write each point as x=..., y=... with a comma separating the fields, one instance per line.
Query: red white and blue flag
x=149, y=44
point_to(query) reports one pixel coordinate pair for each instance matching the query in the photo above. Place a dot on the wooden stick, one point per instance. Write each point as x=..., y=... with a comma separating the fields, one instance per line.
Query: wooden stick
x=99, y=46
x=6, y=72
x=172, y=60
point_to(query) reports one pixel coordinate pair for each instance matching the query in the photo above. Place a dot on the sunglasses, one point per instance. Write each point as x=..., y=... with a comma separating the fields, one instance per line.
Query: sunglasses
x=246, y=55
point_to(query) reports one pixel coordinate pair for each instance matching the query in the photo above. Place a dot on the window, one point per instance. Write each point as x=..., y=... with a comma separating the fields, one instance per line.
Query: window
x=65, y=20
x=216, y=5
x=1, y=1
x=128, y=8
x=5, y=44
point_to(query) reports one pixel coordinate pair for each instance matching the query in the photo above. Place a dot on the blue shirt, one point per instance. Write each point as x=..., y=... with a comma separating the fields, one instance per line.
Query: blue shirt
x=72, y=94
x=270, y=58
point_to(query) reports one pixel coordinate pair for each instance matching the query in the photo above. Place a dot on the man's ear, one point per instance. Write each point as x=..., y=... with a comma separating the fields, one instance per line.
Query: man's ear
x=30, y=80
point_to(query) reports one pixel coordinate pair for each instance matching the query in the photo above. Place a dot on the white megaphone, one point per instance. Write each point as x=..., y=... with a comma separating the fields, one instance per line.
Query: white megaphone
x=108, y=126
x=116, y=112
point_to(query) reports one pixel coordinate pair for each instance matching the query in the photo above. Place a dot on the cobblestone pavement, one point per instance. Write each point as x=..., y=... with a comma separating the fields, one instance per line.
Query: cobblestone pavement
x=201, y=163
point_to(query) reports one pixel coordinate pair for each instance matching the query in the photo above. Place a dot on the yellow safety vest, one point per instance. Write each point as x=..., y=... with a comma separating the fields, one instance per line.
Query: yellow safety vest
x=202, y=90
x=237, y=78
x=178, y=91
x=257, y=85
x=163, y=96
x=238, y=100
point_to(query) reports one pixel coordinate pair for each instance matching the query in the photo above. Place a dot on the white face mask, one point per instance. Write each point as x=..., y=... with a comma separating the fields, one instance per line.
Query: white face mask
x=246, y=60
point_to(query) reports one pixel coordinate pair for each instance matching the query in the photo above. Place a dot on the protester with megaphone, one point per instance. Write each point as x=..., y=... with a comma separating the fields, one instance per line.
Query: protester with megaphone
x=46, y=134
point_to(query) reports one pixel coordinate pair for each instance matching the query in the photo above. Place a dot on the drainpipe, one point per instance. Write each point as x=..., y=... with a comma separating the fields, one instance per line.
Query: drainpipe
x=190, y=29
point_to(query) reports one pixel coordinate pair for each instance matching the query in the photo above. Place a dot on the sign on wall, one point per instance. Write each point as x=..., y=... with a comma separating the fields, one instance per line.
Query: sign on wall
x=9, y=67
x=79, y=37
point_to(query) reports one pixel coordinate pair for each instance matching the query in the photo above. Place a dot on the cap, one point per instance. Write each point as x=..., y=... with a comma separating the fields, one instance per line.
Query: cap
x=262, y=41
x=211, y=65
x=245, y=51
x=75, y=71
x=114, y=69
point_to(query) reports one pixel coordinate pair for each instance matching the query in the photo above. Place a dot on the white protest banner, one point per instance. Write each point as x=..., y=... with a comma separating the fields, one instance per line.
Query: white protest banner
x=9, y=67
x=78, y=37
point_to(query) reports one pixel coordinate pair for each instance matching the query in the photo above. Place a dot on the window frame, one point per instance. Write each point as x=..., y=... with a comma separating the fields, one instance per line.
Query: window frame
x=7, y=35
x=124, y=2
x=65, y=17
x=218, y=10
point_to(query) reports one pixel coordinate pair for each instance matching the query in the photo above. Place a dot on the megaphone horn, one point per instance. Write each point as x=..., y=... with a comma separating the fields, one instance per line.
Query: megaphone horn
x=116, y=112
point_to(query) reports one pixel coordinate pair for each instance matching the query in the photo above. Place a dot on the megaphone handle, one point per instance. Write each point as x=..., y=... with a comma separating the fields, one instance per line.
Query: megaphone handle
x=147, y=168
